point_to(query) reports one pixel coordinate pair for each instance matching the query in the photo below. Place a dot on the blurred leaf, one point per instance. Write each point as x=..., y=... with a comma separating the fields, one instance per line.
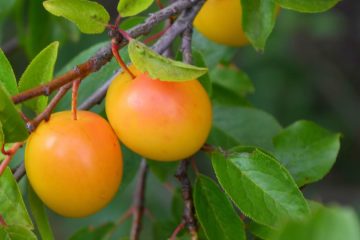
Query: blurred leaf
x=222, y=96
x=215, y=212
x=232, y=79
x=162, y=170
x=7, y=76
x=307, y=6
x=13, y=126
x=307, y=151
x=160, y=67
x=127, y=8
x=39, y=71
x=198, y=60
x=39, y=28
x=219, y=138
x=5, y=7
x=131, y=166
x=16, y=232
x=261, y=231
x=177, y=205
x=12, y=207
x=39, y=215
x=258, y=21
x=261, y=188
x=90, y=17
x=132, y=22
x=2, y=138
x=212, y=53
x=248, y=126
x=102, y=232
x=328, y=223
x=163, y=229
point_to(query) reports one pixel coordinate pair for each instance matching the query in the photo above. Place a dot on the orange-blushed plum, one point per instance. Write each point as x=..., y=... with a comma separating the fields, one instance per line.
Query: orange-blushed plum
x=74, y=166
x=220, y=21
x=159, y=120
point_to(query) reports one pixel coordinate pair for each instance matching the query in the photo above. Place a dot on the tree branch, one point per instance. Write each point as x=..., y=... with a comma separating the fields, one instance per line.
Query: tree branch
x=139, y=201
x=104, y=55
x=189, y=212
x=186, y=44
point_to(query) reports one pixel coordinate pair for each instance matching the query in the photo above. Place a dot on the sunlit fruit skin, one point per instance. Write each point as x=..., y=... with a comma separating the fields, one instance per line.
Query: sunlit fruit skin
x=74, y=166
x=221, y=21
x=159, y=120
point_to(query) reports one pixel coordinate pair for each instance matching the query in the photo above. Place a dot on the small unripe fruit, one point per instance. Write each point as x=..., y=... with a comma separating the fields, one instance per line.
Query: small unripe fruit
x=74, y=166
x=159, y=120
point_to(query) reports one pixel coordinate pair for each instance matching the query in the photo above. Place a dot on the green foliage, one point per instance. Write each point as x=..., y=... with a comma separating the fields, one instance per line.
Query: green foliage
x=159, y=67
x=39, y=71
x=94, y=233
x=14, y=127
x=2, y=137
x=258, y=20
x=89, y=16
x=307, y=6
x=162, y=170
x=16, y=232
x=327, y=223
x=232, y=79
x=259, y=186
x=307, y=151
x=247, y=126
x=7, y=76
x=39, y=214
x=215, y=212
x=198, y=60
x=128, y=8
x=12, y=207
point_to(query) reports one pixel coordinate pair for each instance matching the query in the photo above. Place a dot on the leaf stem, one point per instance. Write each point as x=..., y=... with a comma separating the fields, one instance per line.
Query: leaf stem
x=8, y=158
x=74, y=97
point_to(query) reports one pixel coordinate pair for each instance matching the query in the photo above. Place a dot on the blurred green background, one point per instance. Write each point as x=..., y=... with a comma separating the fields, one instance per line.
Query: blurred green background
x=309, y=70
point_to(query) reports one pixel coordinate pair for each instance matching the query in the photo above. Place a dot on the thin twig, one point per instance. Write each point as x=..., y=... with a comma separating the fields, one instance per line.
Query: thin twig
x=139, y=201
x=178, y=27
x=177, y=230
x=45, y=115
x=20, y=172
x=186, y=44
x=189, y=212
x=10, y=46
x=8, y=158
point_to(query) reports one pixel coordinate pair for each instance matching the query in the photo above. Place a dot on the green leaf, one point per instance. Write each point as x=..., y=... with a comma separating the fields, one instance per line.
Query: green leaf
x=307, y=151
x=12, y=207
x=39, y=28
x=258, y=20
x=307, y=6
x=39, y=71
x=219, y=138
x=198, y=60
x=328, y=223
x=89, y=16
x=215, y=212
x=248, y=126
x=98, y=233
x=128, y=8
x=2, y=138
x=13, y=126
x=7, y=76
x=262, y=188
x=177, y=205
x=39, y=215
x=232, y=79
x=261, y=231
x=16, y=232
x=5, y=7
x=162, y=170
x=159, y=67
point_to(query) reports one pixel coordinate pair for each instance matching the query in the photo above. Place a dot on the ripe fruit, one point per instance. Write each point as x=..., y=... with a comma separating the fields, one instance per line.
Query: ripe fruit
x=165, y=121
x=220, y=21
x=74, y=166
